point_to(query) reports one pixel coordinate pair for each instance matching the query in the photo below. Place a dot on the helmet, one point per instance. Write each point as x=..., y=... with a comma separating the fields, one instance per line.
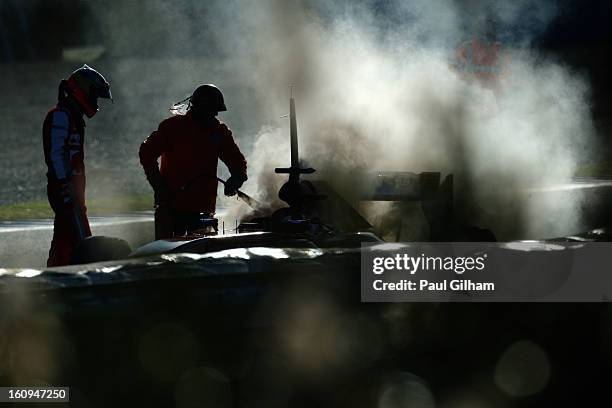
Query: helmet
x=86, y=85
x=207, y=98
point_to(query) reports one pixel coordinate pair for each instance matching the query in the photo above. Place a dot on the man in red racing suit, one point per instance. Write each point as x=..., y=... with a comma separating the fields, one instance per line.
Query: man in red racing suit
x=63, y=138
x=185, y=183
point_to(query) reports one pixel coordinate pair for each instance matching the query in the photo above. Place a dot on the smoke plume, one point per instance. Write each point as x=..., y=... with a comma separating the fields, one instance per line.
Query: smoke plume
x=379, y=89
x=380, y=85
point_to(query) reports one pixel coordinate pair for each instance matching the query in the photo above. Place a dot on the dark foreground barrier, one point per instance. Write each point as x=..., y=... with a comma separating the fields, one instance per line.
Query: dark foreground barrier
x=267, y=327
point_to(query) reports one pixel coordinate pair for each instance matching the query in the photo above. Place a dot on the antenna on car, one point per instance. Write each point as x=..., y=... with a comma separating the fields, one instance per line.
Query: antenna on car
x=294, y=192
x=295, y=170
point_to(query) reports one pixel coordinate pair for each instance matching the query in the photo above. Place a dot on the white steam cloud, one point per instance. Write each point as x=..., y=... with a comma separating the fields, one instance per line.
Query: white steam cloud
x=376, y=90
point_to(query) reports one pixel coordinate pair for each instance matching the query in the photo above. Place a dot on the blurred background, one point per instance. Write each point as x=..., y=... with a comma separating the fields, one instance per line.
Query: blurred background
x=501, y=95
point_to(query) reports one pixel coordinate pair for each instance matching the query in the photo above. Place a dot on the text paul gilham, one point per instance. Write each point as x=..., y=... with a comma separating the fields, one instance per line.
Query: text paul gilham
x=422, y=284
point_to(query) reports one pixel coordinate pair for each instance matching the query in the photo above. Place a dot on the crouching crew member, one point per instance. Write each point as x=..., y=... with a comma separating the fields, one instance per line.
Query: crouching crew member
x=190, y=144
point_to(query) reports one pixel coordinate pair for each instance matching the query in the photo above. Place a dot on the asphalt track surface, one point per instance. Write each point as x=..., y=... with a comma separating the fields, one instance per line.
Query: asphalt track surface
x=585, y=183
x=25, y=243
x=47, y=224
